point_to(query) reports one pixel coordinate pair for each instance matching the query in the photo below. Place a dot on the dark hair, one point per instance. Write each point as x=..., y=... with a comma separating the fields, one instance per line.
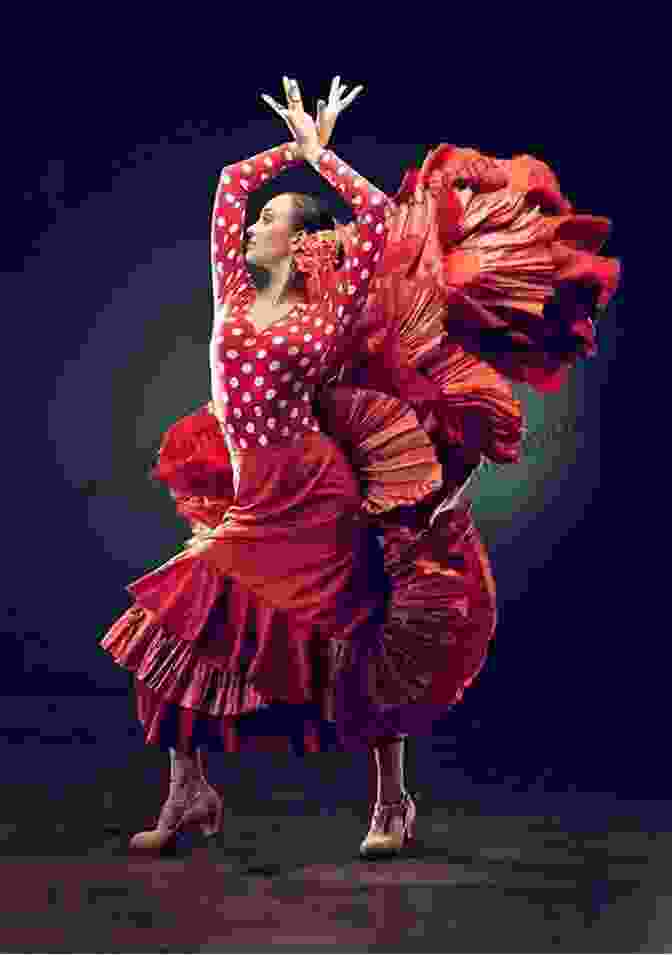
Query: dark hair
x=312, y=215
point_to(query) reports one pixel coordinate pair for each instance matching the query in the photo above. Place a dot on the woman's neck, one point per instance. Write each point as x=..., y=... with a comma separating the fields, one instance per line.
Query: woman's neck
x=277, y=292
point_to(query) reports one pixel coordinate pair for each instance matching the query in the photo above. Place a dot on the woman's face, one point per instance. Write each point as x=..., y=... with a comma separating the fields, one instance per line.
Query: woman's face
x=272, y=238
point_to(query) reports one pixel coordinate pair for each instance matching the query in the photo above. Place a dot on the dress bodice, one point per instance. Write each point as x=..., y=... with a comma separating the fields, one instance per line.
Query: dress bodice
x=263, y=382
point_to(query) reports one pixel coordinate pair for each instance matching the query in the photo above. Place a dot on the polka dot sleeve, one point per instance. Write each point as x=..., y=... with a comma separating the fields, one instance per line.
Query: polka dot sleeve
x=351, y=283
x=228, y=215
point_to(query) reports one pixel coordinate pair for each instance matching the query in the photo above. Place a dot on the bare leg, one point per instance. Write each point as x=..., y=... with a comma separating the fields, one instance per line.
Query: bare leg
x=389, y=756
x=188, y=768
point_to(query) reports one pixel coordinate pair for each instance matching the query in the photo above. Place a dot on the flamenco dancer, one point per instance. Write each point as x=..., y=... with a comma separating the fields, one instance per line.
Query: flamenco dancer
x=353, y=399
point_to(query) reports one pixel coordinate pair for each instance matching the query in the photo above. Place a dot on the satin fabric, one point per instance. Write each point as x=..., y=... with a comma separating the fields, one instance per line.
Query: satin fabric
x=294, y=535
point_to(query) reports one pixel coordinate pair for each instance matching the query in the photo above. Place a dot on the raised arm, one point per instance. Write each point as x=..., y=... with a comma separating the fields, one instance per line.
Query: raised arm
x=228, y=215
x=364, y=250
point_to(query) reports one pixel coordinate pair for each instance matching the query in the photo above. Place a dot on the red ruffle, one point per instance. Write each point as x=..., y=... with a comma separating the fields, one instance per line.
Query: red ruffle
x=518, y=271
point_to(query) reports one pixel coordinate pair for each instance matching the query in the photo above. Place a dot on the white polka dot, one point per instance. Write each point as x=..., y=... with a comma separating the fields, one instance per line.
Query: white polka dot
x=312, y=371
x=231, y=354
x=297, y=386
x=263, y=439
x=236, y=331
x=329, y=329
x=221, y=221
x=249, y=342
x=234, y=382
x=247, y=368
x=377, y=199
x=271, y=393
x=307, y=338
x=294, y=413
x=278, y=340
x=271, y=423
x=341, y=309
x=365, y=274
x=248, y=167
x=379, y=228
x=264, y=176
x=305, y=396
x=249, y=427
x=245, y=184
x=367, y=246
x=243, y=443
x=258, y=410
x=318, y=322
x=285, y=431
x=237, y=412
x=229, y=197
x=220, y=269
x=368, y=217
x=230, y=428
x=294, y=328
x=355, y=263
x=258, y=382
x=262, y=353
x=288, y=375
x=316, y=427
x=341, y=170
x=274, y=365
x=347, y=263
x=376, y=256
x=226, y=178
x=318, y=346
x=282, y=403
x=306, y=318
x=305, y=361
x=234, y=227
x=247, y=397
x=305, y=421
x=268, y=162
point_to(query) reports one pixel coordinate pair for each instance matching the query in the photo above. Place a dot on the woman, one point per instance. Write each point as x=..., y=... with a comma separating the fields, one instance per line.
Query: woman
x=437, y=591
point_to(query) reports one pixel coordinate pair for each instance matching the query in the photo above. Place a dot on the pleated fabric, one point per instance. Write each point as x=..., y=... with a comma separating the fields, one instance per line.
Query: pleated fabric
x=350, y=595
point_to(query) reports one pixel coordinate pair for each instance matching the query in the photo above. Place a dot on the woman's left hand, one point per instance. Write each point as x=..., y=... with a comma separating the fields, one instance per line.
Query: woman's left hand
x=301, y=125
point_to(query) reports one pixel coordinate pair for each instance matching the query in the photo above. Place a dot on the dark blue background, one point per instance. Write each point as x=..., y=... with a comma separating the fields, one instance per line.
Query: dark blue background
x=117, y=150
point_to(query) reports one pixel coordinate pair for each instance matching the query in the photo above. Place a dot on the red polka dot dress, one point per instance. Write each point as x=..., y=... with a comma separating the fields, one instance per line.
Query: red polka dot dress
x=293, y=533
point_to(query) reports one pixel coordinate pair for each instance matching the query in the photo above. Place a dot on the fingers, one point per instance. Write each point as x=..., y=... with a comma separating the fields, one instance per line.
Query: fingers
x=276, y=106
x=348, y=99
x=333, y=92
x=284, y=113
x=293, y=93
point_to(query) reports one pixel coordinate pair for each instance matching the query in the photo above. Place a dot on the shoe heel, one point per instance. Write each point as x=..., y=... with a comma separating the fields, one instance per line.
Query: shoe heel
x=214, y=823
x=409, y=828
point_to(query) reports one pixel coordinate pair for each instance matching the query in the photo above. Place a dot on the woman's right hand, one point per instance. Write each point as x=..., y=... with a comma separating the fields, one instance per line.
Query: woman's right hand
x=328, y=113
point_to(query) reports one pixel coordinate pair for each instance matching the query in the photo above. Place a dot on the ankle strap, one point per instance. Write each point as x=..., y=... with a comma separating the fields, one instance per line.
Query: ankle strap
x=394, y=805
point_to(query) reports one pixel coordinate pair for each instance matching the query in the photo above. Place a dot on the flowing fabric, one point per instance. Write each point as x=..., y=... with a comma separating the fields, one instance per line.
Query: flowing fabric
x=488, y=277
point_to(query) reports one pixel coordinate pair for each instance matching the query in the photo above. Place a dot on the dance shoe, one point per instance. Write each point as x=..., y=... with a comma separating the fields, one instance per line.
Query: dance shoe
x=392, y=826
x=189, y=807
